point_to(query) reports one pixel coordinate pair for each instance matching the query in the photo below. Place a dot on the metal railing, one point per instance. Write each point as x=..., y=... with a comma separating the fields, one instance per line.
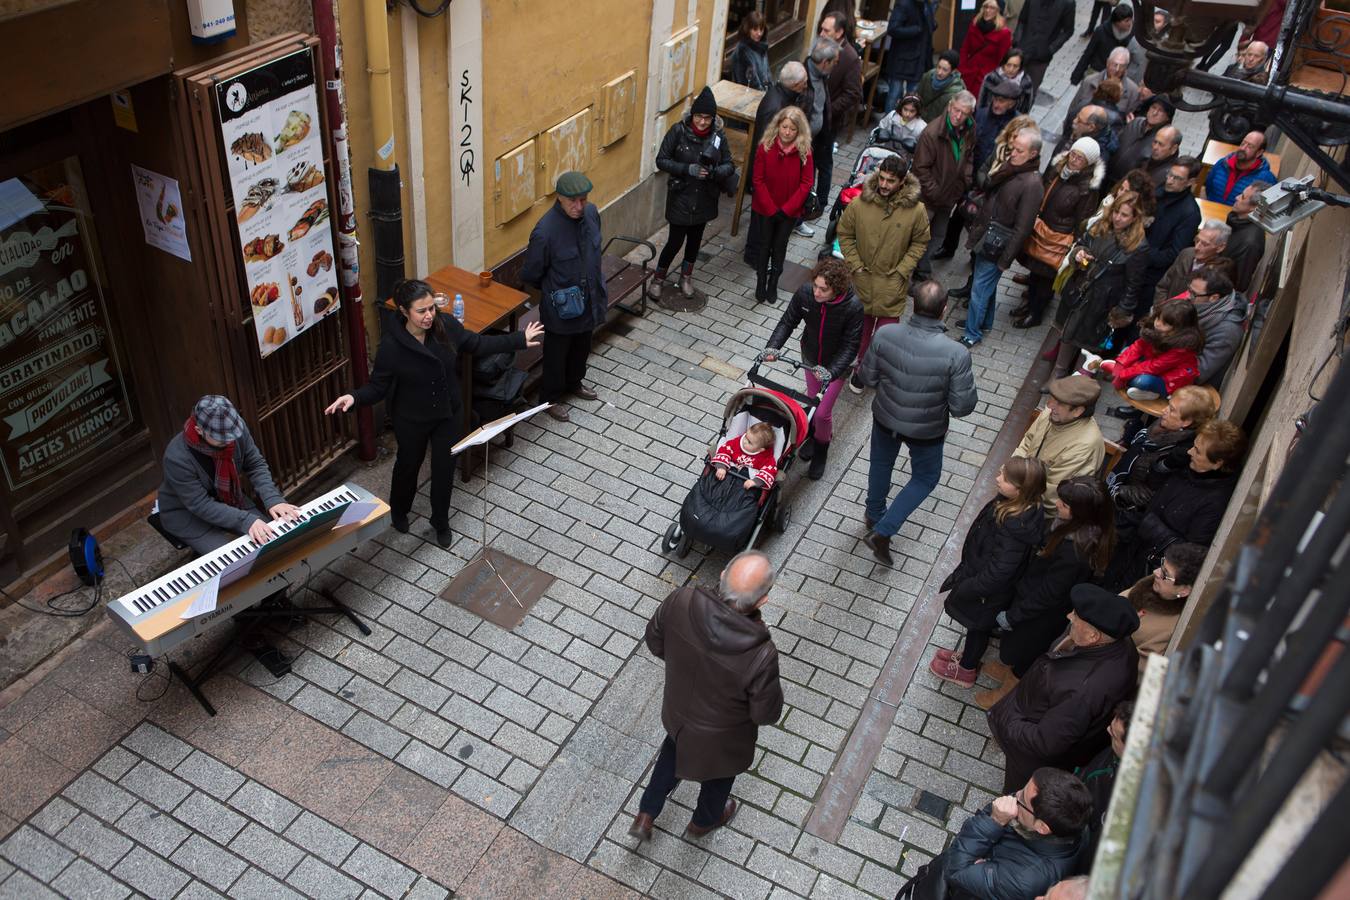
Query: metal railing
x=1259, y=699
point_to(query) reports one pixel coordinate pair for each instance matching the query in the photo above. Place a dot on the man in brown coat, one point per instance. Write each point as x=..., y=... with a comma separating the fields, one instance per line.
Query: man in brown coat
x=944, y=164
x=721, y=685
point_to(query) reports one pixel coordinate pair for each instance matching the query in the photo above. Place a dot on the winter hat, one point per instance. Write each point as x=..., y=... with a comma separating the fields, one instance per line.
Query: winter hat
x=1104, y=610
x=217, y=419
x=573, y=184
x=1122, y=12
x=1075, y=390
x=1006, y=88
x=705, y=104
x=1089, y=148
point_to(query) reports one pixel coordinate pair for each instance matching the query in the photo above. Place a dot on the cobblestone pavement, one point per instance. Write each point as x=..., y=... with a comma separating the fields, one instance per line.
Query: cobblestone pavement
x=441, y=753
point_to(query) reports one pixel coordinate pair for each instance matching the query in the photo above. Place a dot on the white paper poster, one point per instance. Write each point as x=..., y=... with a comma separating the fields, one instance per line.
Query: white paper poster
x=161, y=212
x=269, y=122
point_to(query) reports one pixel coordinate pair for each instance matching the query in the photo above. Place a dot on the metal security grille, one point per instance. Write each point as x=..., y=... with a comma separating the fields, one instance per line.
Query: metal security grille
x=1259, y=698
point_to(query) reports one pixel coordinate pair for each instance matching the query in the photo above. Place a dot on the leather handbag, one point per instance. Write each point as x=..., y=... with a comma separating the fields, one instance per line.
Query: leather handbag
x=1046, y=245
x=995, y=241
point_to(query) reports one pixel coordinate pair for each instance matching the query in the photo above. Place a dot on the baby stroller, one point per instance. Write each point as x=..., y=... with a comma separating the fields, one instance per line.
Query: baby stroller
x=868, y=160
x=724, y=515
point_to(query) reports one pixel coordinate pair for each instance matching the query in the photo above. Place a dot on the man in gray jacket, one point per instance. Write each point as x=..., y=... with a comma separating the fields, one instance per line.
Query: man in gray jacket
x=201, y=500
x=922, y=379
x=1223, y=313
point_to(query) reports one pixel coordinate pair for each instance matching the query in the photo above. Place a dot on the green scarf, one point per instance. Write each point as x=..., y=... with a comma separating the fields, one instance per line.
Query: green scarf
x=954, y=138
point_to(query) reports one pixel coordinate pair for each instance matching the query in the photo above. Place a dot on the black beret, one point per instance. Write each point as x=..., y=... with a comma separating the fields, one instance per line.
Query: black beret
x=1108, y=612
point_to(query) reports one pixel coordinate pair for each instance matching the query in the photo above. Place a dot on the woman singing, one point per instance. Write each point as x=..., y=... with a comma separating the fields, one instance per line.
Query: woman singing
x=417, y=370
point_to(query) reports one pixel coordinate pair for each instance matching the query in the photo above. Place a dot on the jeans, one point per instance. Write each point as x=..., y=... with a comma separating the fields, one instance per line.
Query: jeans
x=1152, y=383
x=822, y=423
x=925, y=458
x=564, y=364
x=691, y=236
x=895, y=89
x=413, y=438
x=712, y=795
x=870, y=326
x=984, y=285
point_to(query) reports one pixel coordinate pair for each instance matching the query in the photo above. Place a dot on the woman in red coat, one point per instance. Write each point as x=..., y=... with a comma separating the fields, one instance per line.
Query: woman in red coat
x=784, y=176
x=987, y=41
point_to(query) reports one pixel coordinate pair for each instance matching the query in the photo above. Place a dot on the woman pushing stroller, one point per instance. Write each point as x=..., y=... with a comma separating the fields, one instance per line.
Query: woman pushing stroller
x=834, y=321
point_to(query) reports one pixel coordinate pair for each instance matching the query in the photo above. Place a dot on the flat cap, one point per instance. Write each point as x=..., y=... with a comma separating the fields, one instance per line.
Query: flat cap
x=1006, y=88
x=1108, y=612
x=1075, y=390
x=573, y=184
x=217, y=419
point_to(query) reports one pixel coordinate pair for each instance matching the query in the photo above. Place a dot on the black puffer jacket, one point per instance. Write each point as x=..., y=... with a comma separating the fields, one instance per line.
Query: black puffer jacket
x=993, y=559
x=833, y=330
x=988, y=860
x=1041, y=604
x=1188, y=507
x=691, y=200
x=1043, y=28
x=1152, y=455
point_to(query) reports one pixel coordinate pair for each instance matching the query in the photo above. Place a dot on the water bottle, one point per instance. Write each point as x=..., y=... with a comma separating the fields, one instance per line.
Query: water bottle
x=458, y=308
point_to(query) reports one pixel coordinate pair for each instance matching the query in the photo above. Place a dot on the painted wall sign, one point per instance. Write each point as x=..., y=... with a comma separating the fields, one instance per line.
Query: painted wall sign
x=62, y=395
x=466, y=133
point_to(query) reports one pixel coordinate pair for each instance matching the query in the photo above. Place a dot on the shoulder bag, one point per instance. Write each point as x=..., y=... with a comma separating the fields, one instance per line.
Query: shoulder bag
x=1046, y=245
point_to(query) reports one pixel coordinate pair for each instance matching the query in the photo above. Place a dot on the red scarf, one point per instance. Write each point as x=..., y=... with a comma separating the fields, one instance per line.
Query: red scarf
x=228, y=489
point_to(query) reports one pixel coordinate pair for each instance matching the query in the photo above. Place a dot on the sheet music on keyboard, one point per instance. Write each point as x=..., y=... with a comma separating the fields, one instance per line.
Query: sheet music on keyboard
x=206, y=600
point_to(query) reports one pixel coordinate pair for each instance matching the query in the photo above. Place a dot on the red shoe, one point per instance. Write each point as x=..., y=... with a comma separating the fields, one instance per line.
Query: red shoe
x=950, y=670
x=1049, y=355
x=946, y=654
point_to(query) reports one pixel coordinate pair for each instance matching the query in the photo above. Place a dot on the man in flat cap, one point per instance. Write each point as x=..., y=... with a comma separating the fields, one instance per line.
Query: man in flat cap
x=202, y=500
x=563, y=261
x=1058, y=713
x=1064, y=436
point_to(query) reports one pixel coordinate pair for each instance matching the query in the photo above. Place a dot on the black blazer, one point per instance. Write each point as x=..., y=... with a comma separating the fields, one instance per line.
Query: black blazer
x=421, y=380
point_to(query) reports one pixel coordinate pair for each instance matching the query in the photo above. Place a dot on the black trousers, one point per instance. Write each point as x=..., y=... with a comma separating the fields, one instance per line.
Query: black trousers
x=712, y=795
x=691, y=236
x=1036, y=72
x=939, y=221
x=413, y=438
x=564, y=364
x=775, y=231
x=1040, y=293
x=976, y=643
x=822, y=153
x=1101, y=12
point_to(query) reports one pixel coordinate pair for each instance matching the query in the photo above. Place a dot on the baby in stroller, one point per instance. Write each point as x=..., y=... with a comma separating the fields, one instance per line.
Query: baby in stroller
x=752, y=451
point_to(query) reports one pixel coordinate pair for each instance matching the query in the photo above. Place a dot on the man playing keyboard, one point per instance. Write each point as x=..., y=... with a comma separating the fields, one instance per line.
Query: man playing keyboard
x=201, y=500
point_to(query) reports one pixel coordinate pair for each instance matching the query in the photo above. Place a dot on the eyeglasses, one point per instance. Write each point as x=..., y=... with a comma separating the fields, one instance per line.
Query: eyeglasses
x=1018, y=797
x=1162, y=573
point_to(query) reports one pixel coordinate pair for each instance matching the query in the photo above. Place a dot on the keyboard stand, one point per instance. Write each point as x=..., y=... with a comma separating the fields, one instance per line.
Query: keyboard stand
x=249, y=621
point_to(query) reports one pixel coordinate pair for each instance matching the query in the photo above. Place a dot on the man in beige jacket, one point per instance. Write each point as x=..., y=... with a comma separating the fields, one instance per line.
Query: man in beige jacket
x=1064, y=436
x=883, y=233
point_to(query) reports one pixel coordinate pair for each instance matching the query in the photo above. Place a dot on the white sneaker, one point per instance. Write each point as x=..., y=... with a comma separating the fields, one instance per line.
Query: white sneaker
x=855, y=383
x=1140, y=394
x=836, y=252
x=805, y=230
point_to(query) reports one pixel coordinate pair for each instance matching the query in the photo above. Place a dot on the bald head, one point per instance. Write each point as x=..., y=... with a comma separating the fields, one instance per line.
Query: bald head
x=1253, y=56
x=746, y=581
x=1089, y=121
x=1166, y=142
x=1075, y=888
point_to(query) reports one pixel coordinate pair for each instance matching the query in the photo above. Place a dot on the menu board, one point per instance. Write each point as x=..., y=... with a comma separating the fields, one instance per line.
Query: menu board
x=62, y=395
x=269, y=125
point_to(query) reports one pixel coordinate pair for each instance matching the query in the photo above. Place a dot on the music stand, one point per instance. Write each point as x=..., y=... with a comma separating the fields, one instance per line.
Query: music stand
x=484, y=435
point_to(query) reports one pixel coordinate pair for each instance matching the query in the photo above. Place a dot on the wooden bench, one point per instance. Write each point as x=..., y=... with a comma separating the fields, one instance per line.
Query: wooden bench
x=625, y=281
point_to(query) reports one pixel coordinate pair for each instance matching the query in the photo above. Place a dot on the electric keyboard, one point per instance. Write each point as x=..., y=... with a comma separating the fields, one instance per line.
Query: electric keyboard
x=152, y=613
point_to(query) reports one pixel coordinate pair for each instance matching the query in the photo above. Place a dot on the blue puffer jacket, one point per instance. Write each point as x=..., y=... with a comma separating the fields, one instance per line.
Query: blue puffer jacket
x=995, y=862
x=564, y=252
x=922, y=378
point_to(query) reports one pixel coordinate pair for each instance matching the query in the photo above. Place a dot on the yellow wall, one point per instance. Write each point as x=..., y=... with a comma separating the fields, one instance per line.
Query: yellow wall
x=542, y=62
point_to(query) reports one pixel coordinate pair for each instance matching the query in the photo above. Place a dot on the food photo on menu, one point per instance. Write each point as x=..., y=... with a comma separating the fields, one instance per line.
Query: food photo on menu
x=275, y=159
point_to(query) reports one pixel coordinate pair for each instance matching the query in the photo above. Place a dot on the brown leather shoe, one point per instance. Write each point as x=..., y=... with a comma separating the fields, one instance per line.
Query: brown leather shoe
x=698, y=831
x=880, y=547
x=559, y=413
x=586, y=393
x=1021, y=279
x=986, y=699
x=641, y=827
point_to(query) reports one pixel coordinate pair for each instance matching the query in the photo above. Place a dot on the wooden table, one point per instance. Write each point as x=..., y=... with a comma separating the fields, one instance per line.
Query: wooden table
x=494, y=306
x=738, y=103
x=1209, y=209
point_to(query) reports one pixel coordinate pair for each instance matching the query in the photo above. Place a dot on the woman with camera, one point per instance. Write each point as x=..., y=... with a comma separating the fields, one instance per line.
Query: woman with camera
x=695, y=155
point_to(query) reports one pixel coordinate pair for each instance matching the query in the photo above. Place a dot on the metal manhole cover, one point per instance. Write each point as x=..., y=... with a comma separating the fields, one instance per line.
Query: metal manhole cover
x=671, y=299
x=501, y=590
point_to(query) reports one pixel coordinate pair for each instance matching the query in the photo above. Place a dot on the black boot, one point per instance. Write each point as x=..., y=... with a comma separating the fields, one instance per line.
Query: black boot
x=807, y=448
x=771, y=291
x=822, y=453
x=761, y=285
x=963, y=292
